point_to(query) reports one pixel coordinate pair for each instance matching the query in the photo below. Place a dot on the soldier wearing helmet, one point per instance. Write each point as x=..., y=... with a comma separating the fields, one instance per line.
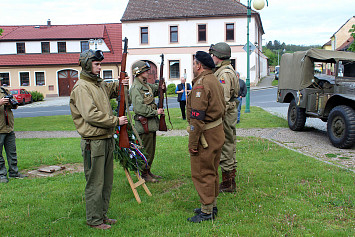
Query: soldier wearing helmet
x=93, y=118
x=226, y=75
x=146, y=112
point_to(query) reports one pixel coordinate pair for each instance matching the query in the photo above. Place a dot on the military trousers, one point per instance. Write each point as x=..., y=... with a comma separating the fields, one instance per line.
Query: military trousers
x=98, y=168
x=8, y=141
x=204, y=166
x=149, y=142
x=228, y=157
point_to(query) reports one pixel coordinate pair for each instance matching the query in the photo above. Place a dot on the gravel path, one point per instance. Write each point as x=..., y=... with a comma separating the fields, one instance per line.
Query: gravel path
x=311, y=142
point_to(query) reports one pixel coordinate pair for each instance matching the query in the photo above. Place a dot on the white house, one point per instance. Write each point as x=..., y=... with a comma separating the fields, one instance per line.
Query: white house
x=179, y=28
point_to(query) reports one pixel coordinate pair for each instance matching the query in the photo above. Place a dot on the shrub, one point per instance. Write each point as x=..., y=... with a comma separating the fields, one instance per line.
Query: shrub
x=113, y=103
x=171, y=89
x=36, y=96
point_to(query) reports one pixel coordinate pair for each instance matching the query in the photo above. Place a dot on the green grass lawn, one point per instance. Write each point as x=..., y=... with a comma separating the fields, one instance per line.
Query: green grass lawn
x=257, y=118
x=280, y=193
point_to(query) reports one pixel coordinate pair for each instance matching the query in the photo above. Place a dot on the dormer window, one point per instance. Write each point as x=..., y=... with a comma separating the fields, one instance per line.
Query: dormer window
x=20, y=48
x=62, y=47
x=45, y=47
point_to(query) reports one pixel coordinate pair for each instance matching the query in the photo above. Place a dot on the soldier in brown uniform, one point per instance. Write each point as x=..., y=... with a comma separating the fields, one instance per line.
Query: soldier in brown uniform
x=226, y=75
x=205, y=110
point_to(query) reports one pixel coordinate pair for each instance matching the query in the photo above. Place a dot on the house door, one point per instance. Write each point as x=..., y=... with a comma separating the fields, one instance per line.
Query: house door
x=66, y=81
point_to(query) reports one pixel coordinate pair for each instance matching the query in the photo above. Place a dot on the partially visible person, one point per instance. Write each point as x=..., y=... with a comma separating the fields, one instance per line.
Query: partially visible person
x=7, y=137
x=182, y=90
x=94, y=120
x=226, y=75
x=205, y=111
x=242, y=93
x=146, y=112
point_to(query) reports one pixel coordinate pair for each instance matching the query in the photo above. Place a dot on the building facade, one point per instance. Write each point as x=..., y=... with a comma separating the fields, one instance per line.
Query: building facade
x=45, y=58
x=178, y=29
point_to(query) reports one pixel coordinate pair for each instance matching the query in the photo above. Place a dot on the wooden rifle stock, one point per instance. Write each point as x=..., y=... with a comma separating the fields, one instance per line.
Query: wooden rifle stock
x=123, y=136
x=162, y=124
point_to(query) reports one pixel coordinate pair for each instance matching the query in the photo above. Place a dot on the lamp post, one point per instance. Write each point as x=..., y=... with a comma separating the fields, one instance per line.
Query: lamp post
x=258, y=5
x=96, y=42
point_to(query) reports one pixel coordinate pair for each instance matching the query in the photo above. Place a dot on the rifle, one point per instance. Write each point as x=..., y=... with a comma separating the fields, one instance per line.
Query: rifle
x=123, y=138
x=162, y=124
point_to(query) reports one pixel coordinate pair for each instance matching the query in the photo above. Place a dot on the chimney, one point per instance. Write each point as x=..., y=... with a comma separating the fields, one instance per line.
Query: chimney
x=49, y=23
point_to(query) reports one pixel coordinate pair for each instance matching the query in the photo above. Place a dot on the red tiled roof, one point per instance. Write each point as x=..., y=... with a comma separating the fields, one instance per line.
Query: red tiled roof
x=110, y=33
x=346, y=44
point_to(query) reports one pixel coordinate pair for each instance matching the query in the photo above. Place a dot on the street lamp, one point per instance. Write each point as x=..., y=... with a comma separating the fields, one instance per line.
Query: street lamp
x=96, y=42
x=258, y=5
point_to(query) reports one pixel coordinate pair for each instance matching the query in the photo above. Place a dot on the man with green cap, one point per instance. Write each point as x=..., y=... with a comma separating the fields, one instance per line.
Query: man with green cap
x=146, y=112
x=226, y=75
x=94, y=120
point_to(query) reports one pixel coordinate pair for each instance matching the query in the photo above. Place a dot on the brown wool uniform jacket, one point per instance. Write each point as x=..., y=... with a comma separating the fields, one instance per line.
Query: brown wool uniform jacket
x=205, y=104
x=91, y=109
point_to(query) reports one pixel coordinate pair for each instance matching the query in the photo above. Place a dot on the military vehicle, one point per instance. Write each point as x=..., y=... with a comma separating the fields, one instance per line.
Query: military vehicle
x=329, y=96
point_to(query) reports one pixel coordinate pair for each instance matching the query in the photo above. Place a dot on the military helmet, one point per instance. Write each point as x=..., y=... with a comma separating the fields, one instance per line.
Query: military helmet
x=140, y=67
x=220, y=50
x=90, y=56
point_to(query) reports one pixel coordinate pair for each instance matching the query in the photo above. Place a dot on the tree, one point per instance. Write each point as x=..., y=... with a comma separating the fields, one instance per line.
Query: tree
x=352, y=46
x=271, y=55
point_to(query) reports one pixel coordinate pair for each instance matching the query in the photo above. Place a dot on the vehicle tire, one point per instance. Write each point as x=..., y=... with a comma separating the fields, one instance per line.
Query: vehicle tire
x=341, y=126
x=296, y=116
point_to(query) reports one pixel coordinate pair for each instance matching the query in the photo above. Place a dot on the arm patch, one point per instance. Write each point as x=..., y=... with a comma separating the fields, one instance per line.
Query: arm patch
x=198, y=114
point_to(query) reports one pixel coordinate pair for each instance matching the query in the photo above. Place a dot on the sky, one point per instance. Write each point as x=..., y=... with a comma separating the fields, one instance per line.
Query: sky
x=301, y=22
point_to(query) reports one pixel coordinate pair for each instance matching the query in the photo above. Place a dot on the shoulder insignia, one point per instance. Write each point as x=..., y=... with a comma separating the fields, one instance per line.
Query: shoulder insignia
x=222, y=80
x=198, y=94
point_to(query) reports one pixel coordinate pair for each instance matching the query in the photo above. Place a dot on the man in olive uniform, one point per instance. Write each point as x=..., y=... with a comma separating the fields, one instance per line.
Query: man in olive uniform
x=205, y=110
x=7, y=138
x=94, y=120
x=146, y=112
x=221, y=52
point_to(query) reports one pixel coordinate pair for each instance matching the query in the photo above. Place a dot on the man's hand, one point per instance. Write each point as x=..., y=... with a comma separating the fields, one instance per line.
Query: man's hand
x=122, y=120
x=161, y=111
x=125, y=81
x=4, y=101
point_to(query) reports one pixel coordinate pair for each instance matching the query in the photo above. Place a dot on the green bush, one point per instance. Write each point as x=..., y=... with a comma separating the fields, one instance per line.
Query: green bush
x=171, y=89
x=113, y=103
x=36, y=96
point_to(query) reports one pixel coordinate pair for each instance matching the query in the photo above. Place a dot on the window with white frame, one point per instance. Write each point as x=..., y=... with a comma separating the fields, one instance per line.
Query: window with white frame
x=39, y=78
x=84, y=45
x=107, y=74
x=5, y=78
x=24, y=78
x=174, y=69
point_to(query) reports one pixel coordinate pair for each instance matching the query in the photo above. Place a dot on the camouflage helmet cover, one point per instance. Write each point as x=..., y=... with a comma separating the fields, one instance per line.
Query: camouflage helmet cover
x=88, y=56
x=220, y=50
x=140, y=67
